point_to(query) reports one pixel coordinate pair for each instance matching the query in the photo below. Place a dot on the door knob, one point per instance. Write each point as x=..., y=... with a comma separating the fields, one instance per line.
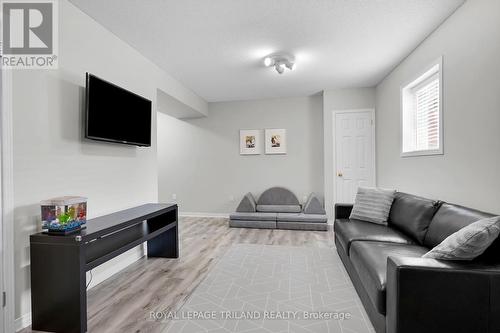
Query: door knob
x=339, y=174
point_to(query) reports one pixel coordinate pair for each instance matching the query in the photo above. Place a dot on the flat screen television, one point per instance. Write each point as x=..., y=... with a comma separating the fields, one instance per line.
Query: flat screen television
x=116, y=115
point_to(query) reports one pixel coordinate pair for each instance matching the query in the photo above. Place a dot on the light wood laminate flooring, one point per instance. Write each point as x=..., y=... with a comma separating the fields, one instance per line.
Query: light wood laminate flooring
x=123, y=303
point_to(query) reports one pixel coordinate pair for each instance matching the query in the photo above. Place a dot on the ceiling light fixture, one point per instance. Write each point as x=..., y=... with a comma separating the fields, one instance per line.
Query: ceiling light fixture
x=280, y=62
x=268, y=61
x=279, y=68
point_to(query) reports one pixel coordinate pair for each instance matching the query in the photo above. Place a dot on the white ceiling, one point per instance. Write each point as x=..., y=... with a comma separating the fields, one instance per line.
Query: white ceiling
x=215, y=47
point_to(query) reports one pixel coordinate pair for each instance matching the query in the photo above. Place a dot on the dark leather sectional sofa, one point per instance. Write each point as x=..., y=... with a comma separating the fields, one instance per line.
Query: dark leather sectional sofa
x=404, y=293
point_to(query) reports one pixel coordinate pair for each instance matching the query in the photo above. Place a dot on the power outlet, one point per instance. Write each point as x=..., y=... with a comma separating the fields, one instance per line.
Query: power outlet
x=231, y=198
x=174, y=196
x=304, y=199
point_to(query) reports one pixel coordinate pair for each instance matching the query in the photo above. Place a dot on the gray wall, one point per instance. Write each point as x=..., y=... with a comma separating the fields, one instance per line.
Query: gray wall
x=50, y=156
x=340, y=99
x=468, y=172
x=199, y=159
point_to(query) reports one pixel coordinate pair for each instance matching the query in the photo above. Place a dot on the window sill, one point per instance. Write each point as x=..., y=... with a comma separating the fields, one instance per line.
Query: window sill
x=422, y=153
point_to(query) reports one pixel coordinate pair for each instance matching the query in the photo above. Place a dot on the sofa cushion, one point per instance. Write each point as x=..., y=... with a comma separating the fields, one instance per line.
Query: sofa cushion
x=247, y=204
x=253, y=216
x=448, y=220
x=301, y=217
x=279, y=208
x=252, y=224
x=348, y=231
x=372, y=205
x=469, y=242
x=412, y=215
x=313, y=205
x=278, y=196
x=369, y=259
x=313, y=226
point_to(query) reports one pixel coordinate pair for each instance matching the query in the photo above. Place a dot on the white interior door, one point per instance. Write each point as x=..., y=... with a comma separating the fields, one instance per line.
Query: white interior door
x=354, y=153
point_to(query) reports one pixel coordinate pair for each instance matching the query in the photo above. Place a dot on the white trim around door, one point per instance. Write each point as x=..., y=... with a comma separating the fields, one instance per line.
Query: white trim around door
x=330, y=157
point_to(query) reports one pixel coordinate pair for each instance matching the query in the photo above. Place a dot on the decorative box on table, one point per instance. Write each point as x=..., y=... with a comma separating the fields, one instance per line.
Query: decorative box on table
x=64, y=215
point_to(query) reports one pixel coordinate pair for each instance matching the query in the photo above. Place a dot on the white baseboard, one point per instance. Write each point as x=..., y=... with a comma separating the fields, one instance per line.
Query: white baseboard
x=199, y=214
x=22, y=322
x=99, y=274
x=221, y=215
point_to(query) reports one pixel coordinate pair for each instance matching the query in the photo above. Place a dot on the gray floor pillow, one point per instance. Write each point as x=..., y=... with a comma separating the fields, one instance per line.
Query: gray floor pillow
x=373, y=205
x=279, y=208
x=313, y=205
x=468, y=242
x=247, y=204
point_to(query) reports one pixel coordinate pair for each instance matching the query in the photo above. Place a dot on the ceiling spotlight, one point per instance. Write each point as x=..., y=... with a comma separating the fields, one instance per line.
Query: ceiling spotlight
x=280, y=68
x=280, y=62
x=268, y=61
x=290, y=65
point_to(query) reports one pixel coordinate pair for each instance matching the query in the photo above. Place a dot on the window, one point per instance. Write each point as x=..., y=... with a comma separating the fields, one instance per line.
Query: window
x=421, y=114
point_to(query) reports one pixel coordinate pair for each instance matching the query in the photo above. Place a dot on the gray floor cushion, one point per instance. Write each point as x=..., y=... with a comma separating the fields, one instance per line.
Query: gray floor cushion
x=302, y=226
x=301, y=217
x=278, y=196
x=247, y=204
x=253, y=216
x=313, y=205
x=278, y=201
x=279, y=208
x=252, y=224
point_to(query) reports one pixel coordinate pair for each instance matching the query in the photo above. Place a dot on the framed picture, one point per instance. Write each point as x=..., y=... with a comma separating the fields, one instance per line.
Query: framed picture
x=250, y=142
x=275, y=141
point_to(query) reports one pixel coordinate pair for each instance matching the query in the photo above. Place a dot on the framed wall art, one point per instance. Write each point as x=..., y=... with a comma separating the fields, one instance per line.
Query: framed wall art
x=250, y=142
x=275, y=141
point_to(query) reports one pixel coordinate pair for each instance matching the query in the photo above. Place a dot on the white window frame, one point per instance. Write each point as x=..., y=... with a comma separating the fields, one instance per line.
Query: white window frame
x=424, y=75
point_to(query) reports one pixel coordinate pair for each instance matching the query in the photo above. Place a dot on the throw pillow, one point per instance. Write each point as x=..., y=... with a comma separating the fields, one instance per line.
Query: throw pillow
x=468, y=242
x=373, y=205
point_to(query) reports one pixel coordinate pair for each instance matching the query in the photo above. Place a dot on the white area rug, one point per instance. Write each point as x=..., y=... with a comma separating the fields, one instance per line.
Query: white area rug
x=267, y=288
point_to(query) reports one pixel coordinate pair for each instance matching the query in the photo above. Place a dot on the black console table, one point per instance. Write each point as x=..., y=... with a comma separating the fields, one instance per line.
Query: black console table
x=59, y=263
